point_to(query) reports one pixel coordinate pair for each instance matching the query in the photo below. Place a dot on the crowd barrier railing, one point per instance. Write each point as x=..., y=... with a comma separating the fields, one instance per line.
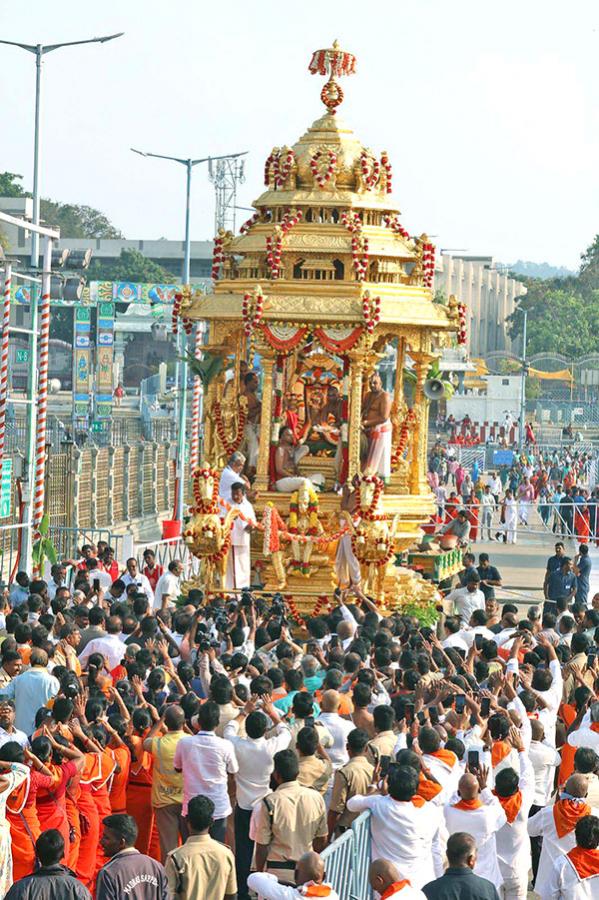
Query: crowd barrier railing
x=347, y=861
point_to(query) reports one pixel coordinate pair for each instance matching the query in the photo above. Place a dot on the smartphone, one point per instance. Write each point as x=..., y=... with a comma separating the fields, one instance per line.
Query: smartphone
x=421, y=718
x=385, y=763
x=460, y=703
x=96, y=585
x=478, y=641
x=473, y=760
x=409, y=712
x=591, y=657
x=485, y=707
x=433, y=714
x=541, y=665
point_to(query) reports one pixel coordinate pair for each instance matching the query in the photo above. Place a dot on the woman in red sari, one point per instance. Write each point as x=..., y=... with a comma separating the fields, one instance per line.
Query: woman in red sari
x=582, y=523
x=21, y=810
x=473, y=515
x=64, y=761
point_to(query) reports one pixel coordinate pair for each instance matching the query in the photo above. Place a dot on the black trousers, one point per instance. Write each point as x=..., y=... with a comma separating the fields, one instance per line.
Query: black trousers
x=536, y=844
x=244, y=850
x=219, y=830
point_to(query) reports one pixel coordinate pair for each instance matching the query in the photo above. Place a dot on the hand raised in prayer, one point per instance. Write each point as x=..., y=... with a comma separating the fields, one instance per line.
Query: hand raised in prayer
x=515, y=739
x=482, y=776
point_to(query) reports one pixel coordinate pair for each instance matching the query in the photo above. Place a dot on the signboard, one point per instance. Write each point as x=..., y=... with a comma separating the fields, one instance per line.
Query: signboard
x=82, y=363
x=503, y=457
x=104, y=360
x=22, y=356
x=6, y=487
x=132, y=292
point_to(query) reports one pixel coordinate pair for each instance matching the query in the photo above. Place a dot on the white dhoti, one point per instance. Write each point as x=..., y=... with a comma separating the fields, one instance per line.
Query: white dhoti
x=378, y=461
x=239, y=570
x=295, y=482
x=251, y=436
x=347, y=567
x=525, y=506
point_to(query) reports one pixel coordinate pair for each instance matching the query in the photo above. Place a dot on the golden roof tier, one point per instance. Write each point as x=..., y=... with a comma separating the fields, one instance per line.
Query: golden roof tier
x=325, y=284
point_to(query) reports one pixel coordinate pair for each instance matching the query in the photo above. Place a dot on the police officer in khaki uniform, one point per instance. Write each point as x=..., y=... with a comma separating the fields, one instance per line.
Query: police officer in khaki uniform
x=315, y=767
x=289, y=822
x=355, y=777
x=385, y=739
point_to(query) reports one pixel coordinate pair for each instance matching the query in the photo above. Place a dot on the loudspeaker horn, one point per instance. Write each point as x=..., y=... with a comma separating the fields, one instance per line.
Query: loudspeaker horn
x=434, y=389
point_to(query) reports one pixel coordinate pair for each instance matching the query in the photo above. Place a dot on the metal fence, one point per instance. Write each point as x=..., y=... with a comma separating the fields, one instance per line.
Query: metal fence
x=347, y=861
x=166, y=552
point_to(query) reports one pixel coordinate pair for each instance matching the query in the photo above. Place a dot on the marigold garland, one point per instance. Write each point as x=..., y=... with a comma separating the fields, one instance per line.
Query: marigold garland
x=404, y=434
x=371, y=311
x=386, y=165
x=322, y=178
x=428, y=264
x=312, y=512
x=229, y=446
x=370, y=169
x=295, y=613
x=252, y=314
x=280, y=164
x=249, y=223
x=359, y=243
x=395, y=225
x=360, y=538
x=202, y=505
x=274, y=242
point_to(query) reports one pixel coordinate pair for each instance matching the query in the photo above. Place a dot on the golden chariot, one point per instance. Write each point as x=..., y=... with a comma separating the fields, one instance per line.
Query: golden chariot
x=321, y=286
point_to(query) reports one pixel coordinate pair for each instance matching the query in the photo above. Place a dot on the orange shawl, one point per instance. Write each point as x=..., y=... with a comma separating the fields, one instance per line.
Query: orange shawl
x=499, y=751
x=566, y=814
x=586, y=862
x=468, y=804
x=511, y=805
x=394, y=888
x=447, y=757
x=428, y=790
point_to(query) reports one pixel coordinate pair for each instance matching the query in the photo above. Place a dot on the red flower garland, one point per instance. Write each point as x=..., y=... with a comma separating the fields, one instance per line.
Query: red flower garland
x=388, y=171
x=332, y=62
x=229, y=446
x=205, y=506
x=248, y=224
x=187, y=325
x=220, y=554
x=404, y=433
x=274, y=244
x=176, y=312
x=370, y=168
x=396, y=227
x=251, y=317
x=322, y=178
x=378, y=561
x=428, y=264
x=462, y=322
x=371, y=311
x=370, y=515
x=218, y=256
x=281, y=167
x=295, y=614
x=359, y=243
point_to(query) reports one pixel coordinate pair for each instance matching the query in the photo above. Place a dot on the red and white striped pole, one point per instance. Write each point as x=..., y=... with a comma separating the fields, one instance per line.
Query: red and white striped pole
x=4, y=356
x=42, y=395
x=194, y=453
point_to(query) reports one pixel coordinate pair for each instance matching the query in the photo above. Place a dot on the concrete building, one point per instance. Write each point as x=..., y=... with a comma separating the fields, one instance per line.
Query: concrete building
x=490, y=297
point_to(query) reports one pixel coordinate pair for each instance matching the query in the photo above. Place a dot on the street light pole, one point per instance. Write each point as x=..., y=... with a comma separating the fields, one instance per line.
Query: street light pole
x=39, y=50
x=523, y=384
x=181, y=343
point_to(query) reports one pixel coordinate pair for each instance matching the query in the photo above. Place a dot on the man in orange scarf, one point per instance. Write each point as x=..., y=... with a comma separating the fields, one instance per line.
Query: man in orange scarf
x=386, y=880
x=515, y=792
x=309, y=878
x=556, y=824
x=479, y=813
x=575, y=875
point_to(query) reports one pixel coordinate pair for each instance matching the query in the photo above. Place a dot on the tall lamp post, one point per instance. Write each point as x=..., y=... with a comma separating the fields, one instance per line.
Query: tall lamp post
x=39, y=51
x=181, y=406
x=523, y=383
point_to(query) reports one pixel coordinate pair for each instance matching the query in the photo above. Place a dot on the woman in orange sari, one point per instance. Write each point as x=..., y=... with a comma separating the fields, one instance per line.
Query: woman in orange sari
x=21, y=810
x=64, y=763
x=88, y=811
x=122, y=754
x=101, y=787
x=139, y=790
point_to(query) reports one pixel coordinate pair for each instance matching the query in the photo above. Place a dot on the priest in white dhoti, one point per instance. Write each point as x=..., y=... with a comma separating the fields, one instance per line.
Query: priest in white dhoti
x=376, y=410
x=575, y=875
x=238, y=574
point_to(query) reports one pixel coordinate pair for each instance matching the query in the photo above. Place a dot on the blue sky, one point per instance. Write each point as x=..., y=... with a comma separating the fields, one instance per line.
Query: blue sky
x=489, y=111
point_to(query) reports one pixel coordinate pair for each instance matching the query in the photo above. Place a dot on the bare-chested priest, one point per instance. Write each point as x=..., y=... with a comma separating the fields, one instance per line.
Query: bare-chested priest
x=287, y=455
x=252, y=425
x=376, y=409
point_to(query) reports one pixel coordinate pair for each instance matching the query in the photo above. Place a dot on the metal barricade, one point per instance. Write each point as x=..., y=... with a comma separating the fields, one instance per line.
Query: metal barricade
x=166, y=551
x=347, y=861
x=68, y=541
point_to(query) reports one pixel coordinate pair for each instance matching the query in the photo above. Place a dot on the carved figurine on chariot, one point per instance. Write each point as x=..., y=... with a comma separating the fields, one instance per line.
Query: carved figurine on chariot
x=280, y=169
x=372, y=536
x=207, y=535
x=230, y=416
x=304, y=524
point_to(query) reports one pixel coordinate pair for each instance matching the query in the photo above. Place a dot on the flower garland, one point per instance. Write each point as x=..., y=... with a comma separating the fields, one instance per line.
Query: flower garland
x=220, y=554
x=281, y=164
x=187, y=325
x=462, y=320
x=370, y=169
x=274, y=243
x=252, y=309
x=428, y=264
x=176, y=312
x=282, y=344
x=386, y=165
x=359, y=243
x=370, y=514
x=295, y=613
x=229, y=446
x=249, y=223
x=332, y=62
x=395, y=225
x=312, y=512
x=371, y=311
x=323, y=177
x=202, y=505
x=218, y=256
x=359, y=538
x=404, y=434
x=323, y=603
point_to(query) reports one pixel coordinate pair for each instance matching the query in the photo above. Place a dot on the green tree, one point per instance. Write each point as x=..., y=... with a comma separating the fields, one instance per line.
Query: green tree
x=130, y=266
x=9, y=186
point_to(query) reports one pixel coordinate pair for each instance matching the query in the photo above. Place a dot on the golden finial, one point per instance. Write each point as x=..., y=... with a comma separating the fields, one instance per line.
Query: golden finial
x=333, y=62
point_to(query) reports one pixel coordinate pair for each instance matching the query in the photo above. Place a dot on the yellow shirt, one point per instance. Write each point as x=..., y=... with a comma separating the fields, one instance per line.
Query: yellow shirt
x=167, y=785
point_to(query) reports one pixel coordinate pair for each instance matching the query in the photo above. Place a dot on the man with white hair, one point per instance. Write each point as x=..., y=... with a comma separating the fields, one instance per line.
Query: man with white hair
x=230, y=475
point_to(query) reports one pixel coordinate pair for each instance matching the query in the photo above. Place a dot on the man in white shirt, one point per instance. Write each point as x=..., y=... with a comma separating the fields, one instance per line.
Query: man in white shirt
x=586, y=735
x=515, y=792
x=544, y=760
x=402, y=825
x=168, y=586
x=134, y=576
x=454, y=635
x=254, y=755
x=58, y=579
x=479, y=813
x=229, y=476
x=547, y=686
x=338, y=728
x=8, y=732
x=109, y=645
x=488, y=505
x=575, y=875
x=466, y=599
x=388, y=882
x=206, y=761
x=309, y=879
x=238, y=574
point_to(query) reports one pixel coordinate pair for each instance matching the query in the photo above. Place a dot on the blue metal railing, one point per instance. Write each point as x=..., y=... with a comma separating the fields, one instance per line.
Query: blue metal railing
x=347, y=861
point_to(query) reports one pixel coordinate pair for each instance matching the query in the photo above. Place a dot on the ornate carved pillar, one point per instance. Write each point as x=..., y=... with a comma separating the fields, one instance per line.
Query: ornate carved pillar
x=398, y=397
x=422, y=360
x=356, y=375
x=262, y=474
